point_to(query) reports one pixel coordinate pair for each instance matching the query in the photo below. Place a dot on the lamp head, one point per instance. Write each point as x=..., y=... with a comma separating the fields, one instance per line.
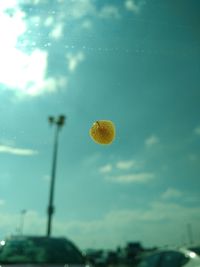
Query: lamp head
x=51, y=119
x=61, y=120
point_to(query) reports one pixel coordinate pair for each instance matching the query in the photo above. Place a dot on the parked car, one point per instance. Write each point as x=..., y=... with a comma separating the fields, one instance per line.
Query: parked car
x=195, y=249
x=170, y=258
x=35, y=250
x=95, y=257
x=102, y=258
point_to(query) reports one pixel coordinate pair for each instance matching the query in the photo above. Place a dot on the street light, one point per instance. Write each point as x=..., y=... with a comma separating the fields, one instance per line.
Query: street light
x=59, y=122
x=189, y=231
x=22, y=213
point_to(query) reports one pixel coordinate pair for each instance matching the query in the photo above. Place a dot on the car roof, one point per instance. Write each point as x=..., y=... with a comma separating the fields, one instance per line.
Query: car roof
x=22, y=237
x=185, y=251
x=39, y=238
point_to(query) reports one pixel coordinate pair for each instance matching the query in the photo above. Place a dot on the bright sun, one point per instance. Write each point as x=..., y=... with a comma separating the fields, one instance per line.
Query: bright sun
x=20, y=71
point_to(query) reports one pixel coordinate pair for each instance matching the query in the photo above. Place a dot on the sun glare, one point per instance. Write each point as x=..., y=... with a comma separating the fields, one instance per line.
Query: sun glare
x=19, y=71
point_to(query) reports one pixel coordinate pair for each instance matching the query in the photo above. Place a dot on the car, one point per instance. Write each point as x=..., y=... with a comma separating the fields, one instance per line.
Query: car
x=101, y=258
x=38, y=251
x=170, y=258
x=195, y=249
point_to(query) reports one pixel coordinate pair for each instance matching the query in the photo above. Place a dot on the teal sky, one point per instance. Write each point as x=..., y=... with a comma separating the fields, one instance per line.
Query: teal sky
x=136, y=63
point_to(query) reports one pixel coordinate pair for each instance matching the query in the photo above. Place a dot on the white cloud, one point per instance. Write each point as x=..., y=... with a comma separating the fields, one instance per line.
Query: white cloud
x=33, y=223
x=151, y=140
x=87, y=24
x=106, y=168
x=171, y=211
x=4, y=5
x=2, y=202
x=131, y=5
x=33, y=2
x=142, y=177
x=49, y=21
x=11, y=27
x=24, y=73
x=8, y=142
x=171, y=193
x=74, y=60
x=35, y=20
x=197, y=130
x=57, y=31
x=49, y=85
x=79, y=9
x=125, y=165
x=82, y=9
x=36, y=2
x=116, y=227
x=17, y=151
x=109, y=11
x=28, y=74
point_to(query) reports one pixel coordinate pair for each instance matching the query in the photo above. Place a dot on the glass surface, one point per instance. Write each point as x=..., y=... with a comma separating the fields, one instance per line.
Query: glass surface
x=100, y=123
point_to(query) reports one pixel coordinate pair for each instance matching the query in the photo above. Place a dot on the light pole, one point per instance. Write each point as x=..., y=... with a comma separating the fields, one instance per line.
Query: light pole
x=59, y=122
x=189, y=231
x=22, y=213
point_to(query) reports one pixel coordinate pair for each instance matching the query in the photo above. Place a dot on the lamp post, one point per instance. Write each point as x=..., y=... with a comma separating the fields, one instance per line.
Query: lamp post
x=59, y=122
x=22, y=213
x=189, y=231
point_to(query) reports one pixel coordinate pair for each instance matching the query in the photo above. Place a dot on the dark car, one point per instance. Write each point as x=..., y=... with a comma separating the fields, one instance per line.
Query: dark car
x=35, y=250
x=196, y=249
x=170, y=258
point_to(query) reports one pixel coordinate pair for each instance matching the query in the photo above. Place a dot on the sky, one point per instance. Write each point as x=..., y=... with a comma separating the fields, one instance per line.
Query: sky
x=134, y=62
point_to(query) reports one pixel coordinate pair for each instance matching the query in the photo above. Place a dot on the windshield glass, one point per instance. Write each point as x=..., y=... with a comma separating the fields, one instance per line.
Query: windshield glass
x=100, y=125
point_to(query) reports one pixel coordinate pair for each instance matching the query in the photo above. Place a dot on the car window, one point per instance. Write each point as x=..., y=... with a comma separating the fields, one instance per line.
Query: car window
x=173, y=259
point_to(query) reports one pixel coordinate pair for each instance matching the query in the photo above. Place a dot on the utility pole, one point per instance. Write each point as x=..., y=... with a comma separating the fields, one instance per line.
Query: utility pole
x=58, y=122
x=22, y=215
x=189, y=231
